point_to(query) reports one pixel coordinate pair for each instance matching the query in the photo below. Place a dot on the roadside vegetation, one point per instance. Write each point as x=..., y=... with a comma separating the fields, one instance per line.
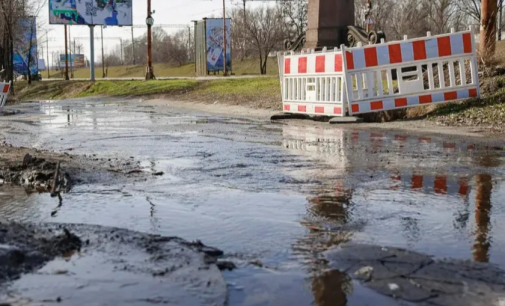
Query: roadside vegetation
x=260, y=92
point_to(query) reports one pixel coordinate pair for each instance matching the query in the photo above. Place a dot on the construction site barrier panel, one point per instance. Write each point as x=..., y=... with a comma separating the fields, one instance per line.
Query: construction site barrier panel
x=4, y=94
x=432, y=69
x=313, y=83
x=387, y=76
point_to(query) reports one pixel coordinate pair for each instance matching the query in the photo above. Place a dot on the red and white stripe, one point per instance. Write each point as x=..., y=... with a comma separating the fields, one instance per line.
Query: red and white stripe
x=421, y=49
x=314, y=108
x=411, y=100
x=313, y=64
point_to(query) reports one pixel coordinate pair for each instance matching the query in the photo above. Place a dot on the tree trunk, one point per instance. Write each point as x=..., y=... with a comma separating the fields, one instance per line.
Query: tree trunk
x=487, y=41
x=261, y=63
x=264, y=66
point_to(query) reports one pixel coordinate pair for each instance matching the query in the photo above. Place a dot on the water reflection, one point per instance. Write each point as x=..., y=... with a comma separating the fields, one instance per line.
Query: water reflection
x=482, y=243
x=331, y=288
x=403, y=186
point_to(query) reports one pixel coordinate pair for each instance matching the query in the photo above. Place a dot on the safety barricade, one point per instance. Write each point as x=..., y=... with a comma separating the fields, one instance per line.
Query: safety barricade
x=313, y=83
x=4, y=94
x=428, y=70
x=387, y=76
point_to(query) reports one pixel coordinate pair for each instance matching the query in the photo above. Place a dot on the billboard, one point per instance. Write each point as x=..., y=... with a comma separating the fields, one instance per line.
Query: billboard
x=214, y=38
x=25, y=47
x=74, y=60
x=91, y=12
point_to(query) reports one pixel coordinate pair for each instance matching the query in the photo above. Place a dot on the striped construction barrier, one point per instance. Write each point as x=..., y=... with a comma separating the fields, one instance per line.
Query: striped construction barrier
x=349, y=81
x=4, y=94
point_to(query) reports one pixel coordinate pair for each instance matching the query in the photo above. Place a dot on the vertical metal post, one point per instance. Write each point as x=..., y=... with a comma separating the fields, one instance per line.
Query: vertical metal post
x=133, y=47
x=66, y=54
x=103, y=58
x=225, y=73
x=71, y=57
x=47, y=52
x=92, y=52
x=121, y=42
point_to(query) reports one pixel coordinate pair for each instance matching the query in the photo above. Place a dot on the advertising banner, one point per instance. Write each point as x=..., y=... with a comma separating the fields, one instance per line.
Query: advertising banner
x=25, y=47
x=74, y=60
x=214, y=33
x=91, y=12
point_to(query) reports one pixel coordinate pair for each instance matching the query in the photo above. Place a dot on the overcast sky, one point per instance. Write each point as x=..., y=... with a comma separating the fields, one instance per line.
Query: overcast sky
x=167, y=12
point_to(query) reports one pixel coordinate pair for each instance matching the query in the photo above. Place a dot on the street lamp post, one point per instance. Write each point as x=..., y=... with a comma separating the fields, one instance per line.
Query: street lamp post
x=149, y=22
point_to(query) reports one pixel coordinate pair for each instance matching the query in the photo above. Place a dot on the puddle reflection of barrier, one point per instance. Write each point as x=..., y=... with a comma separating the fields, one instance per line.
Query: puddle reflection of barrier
x=335, y=140
x=4, y=94
x=431, y=183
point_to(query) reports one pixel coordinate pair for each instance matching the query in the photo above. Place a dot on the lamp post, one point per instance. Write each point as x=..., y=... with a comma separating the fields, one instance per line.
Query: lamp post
x=149, y=22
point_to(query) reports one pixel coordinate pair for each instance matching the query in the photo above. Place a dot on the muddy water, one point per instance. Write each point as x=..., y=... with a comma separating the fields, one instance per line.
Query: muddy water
x=278, y=194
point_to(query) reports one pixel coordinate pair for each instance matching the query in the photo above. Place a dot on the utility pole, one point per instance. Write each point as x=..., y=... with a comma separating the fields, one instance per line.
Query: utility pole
x=133, y=47
x=66, y=54
x=103, y=58
x=225, y=73
x=47, y=52
x=487, y=43
x=149, y=22
x=244, y=29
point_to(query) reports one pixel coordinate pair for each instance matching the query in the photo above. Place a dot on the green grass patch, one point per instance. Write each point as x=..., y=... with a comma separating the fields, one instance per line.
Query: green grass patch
x=137, y=88
x=249, y=88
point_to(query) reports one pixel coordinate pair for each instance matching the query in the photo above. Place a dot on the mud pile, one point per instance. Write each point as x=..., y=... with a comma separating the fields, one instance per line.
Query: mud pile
x=35, y=173
x=419, y=279
x=90, y=265
x=24, y=249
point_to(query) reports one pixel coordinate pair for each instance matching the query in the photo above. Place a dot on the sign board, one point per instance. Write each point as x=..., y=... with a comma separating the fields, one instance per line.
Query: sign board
x=214, y=38
x=74, y=60
x=42, y=64
x=25, y=47
x=91, y=12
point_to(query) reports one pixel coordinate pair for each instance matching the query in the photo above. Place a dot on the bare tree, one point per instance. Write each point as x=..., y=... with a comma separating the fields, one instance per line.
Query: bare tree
x=295, y=15
x=177, y=48
x=264, y=28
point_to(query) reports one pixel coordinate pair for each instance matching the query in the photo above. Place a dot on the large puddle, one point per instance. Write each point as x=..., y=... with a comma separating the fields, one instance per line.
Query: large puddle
x=274, y=193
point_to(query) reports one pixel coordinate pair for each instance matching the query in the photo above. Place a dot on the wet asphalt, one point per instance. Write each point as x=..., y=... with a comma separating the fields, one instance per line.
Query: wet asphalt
x=273, y=196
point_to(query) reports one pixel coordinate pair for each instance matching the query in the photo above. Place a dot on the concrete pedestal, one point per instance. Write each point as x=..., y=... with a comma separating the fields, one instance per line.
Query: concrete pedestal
x=327, y=22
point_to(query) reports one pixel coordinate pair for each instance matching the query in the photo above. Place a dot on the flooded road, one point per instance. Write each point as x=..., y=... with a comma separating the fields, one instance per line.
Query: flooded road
x=272, y=196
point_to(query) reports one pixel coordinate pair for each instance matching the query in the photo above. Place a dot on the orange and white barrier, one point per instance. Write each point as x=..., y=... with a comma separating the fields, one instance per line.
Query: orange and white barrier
x=4, y=94
x=432, y=69
x=313, y=83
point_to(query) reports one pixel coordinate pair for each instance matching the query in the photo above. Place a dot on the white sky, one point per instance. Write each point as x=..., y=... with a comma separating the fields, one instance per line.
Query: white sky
x=167, y=12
